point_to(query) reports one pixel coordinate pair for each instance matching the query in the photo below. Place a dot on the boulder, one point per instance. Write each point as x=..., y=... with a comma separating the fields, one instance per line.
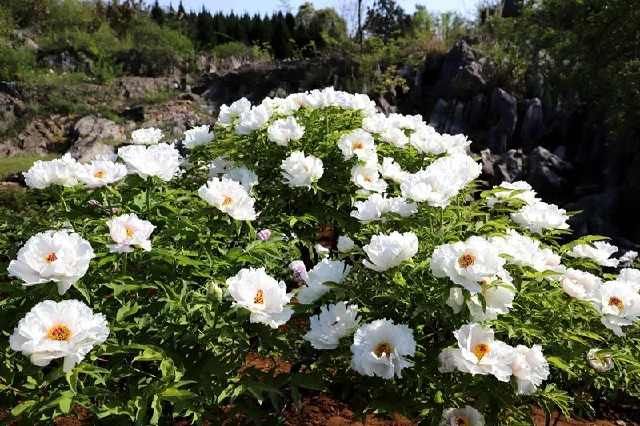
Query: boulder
x=504, y=113
x=462, y=75
x=547, y=172
x=40, y=136
x=507, y=167
x=95, y=136
x=66, y=61
x=134, y=113
x=10, y=109
x=532, y=128
x=139, y=87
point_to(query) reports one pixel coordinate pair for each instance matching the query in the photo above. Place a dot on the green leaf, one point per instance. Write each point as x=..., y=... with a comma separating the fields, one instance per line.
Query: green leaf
x=65, y=400
x=127, y=310
x=175, y=394
x=22, y=407
x=559, y=363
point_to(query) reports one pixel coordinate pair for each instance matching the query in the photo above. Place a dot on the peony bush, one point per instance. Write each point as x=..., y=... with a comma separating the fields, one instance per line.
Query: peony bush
x=359, y=249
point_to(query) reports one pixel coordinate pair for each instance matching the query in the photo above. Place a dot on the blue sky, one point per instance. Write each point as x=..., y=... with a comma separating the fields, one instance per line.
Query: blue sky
x=465, y=7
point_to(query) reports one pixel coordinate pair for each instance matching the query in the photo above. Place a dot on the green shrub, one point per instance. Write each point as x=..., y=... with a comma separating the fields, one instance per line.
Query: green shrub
x=180, y=333
x=15, y=62
x=238, y=50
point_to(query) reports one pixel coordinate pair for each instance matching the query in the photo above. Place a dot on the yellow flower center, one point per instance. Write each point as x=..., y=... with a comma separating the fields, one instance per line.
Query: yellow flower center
x=259, y=299
x=461, y=421
x=357, y=145
x=466, y=260
x=383, y=349
x=480, y=350
x=51, y=257
x=130, y=231
x=99, y=174
x=59, y=332
x=227, y=200
x=617, y=302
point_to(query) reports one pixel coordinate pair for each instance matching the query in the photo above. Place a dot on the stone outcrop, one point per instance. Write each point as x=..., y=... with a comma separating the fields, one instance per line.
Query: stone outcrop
x=95, y=136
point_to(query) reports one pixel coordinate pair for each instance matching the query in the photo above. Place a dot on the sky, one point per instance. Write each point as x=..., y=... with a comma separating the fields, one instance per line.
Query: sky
x=464, y=7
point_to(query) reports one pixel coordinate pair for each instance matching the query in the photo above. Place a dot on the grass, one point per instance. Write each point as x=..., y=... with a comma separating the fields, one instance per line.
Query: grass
x=20, y=163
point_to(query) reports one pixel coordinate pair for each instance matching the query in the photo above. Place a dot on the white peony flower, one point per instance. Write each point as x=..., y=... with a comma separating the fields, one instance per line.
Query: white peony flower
x=283, y=106
x=149, y=136
x=619, y=303
x=376, y=123
x=519, y=190
x=469, y=263
x=427, y=141
x=600, y=252
x=370, y=209
x=298, y=170
x=326, y=271
x=601, y=362
x=456, y=299
x=628, y=257
x=581, y=285
x=128, y=231
x=380, y=347
x=394, y=136
x=358, y=143
x=388, y=251
x=631, y=276
x=376, y=205
x=100, y=173
x=266, y=298
x=530, y=368
x=245, y=177
x=367, y=177
x=219, y=166
x=526, y=251
x=68, y=329
x=467, y=416
x=498, y=299
x=479, y=353
x=59, y=256
x=539, y=216
x=392, y=170
x=441, y=180
x=61, y=171
x=285, y=130
x=200, y=135
x=161, y=160
x=252, y=120
x=345, y=244
x=230, y=197
x=228, y=114
x=332, y=324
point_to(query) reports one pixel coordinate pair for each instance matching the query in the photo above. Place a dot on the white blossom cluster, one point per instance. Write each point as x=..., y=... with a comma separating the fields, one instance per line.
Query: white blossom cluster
x=479, y=353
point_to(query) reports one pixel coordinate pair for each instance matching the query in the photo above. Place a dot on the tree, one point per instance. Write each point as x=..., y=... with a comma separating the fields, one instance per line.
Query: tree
x=386, y=19
x=157, y=13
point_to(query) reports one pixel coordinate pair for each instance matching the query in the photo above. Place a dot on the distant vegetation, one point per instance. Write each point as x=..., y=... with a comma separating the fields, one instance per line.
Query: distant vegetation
x=580, y=51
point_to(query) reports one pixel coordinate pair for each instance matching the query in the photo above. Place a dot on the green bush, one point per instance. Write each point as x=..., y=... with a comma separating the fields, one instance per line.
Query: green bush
x=181, y=328
x=15, y=61
x=238, y=50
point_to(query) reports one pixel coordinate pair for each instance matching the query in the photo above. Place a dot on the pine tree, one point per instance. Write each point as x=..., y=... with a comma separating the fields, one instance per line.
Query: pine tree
x=157, y=13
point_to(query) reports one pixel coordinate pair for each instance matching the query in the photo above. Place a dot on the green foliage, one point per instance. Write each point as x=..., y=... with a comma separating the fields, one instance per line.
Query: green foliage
x=235, y=49
x=178, y=346
x=19, y=163
x=15, y=62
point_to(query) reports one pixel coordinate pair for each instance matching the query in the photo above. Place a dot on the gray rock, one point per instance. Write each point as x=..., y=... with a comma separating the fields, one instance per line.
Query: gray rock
x=10, y=109
x=504, y=112
x=439, y=116
x=507, y=167
x=461, y=75
x=95, y=136
x=547, y=172
x=66, y=61
x=532, y=128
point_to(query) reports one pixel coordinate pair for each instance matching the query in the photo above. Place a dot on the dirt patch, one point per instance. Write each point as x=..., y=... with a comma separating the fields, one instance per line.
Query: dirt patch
x=322, y=410
x=269, y=365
